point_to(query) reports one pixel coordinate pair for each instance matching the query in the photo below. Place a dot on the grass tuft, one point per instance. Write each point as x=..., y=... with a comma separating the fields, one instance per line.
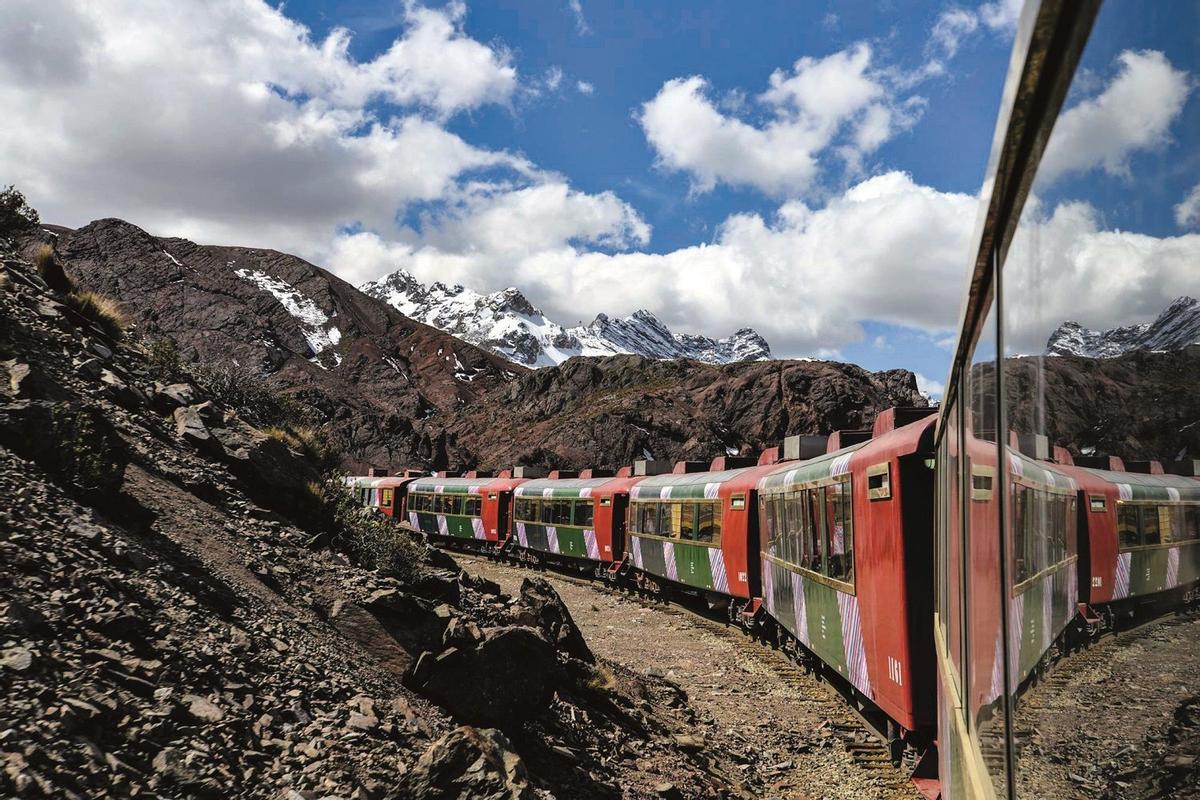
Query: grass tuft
x=51, y=271
x=102, y=310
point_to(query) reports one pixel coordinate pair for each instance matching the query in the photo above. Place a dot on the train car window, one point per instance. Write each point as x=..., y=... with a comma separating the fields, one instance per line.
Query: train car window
x=1149, y=524
x=1021, y=567
x=475, y=506
x=562, y=512
x=879, y=481
x=584, y=513
x=737, y=502
x=1191, y=523
x=787, y=524
x=838, y=532
x=1127, y=525
x=982, y=480
x=1166, y=532
x=687, y=521
x=648, y=522
x=606, y=501
x=1096, y=502
x=386, y=499
x=545, y=512
x=708, y=523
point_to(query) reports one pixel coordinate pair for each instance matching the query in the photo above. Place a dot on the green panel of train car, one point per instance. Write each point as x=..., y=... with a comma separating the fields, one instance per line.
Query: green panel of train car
x=652, y=560
x=460, y=527
x=1032, y=627
x=571, y=542
x=692, y=565
x=1148, y=571
x=825, y=625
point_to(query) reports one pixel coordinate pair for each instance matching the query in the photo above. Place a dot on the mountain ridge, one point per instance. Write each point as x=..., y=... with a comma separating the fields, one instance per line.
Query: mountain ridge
x=1176, y=327
x=508, y=324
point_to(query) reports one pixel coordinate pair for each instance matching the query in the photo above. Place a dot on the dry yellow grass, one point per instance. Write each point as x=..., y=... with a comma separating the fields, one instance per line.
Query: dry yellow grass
x=51, y=271
x=102, y=310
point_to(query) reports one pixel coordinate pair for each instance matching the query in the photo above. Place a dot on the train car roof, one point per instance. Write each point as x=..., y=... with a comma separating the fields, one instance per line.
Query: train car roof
x=562, y=487
x=685, y=486
x=814, y=469
x=1141, y=486
x=461, y=485
x=368, y=482
x=1043, y=472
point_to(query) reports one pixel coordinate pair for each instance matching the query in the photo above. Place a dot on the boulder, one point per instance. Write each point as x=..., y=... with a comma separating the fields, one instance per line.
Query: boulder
x=189, y=426
x=469, y=762
x=505, y=679
x=167, y=398
x=554, y=618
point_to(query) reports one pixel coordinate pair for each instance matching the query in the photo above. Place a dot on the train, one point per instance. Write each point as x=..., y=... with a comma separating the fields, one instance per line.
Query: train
x=832, y=556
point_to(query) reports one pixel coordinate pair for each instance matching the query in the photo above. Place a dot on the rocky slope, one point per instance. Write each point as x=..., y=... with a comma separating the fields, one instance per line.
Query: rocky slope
x=163, y=633
x=1138, y=405
x=378, y=381
x=1176, y=327
x=613, y=410
x=508, y=324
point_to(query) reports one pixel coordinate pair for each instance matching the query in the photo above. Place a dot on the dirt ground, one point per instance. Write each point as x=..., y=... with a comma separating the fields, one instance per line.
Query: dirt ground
x=1116, y=720
x=785, y=729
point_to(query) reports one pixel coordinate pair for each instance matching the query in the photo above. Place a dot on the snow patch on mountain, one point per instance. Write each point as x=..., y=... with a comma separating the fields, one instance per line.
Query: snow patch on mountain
x=1176, y=327
x=313, y=322
x=508, y=324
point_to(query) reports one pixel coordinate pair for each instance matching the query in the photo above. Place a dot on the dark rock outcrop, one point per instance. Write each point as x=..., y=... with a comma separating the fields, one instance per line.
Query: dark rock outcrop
x=505, y=678
x=381, y=383
x=611, y=411
x=554, y=618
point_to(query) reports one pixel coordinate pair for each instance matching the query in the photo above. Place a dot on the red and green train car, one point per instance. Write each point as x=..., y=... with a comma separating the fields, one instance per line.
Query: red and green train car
x=1143, y=539
x=386, y=494
x=476, y=509
x=565, y=519
x=845, y=551
x=698, y=530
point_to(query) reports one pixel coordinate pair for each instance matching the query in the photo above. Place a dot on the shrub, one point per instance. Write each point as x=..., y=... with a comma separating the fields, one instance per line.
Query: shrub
x=311, y=442
x=51, y=271
x=15, y=213
x=102, y=310
x=88, y=453
x=371, y=540
x=163, y=361
x=254, y=397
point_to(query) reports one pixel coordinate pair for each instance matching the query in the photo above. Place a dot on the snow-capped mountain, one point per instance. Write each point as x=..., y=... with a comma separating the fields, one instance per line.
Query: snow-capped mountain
x=508, y=324
x=1176, y=327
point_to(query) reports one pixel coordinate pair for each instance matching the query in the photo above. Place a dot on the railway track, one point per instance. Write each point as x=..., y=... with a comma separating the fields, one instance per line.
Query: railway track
x=866, y=746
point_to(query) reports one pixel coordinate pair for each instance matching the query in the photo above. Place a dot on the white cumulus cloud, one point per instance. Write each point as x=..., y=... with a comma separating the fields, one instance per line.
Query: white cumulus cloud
x=837, y=102
x=1133, y=112
x=1187, y=212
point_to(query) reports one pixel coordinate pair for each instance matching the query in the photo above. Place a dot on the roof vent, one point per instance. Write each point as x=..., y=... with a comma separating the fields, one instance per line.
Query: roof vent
x=1034, y=445
x=769, y=456
x=559, y=474
x=800, y=448
x=1190, y=467
x=528, y=472
x=596, y=472
x=1111, y=463
x=840, y=439
x=1063, y=456
x=891, y=418
x=376, y=472
x=625, y=472
x=449, y=473
x=644, y=467
x=504, y=473
x=1146, y=467
x=480, y=473
x=687, y=467
x=722, y=463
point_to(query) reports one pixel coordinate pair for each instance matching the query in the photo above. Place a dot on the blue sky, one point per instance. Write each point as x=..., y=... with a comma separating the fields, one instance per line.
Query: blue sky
x=810, y=170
